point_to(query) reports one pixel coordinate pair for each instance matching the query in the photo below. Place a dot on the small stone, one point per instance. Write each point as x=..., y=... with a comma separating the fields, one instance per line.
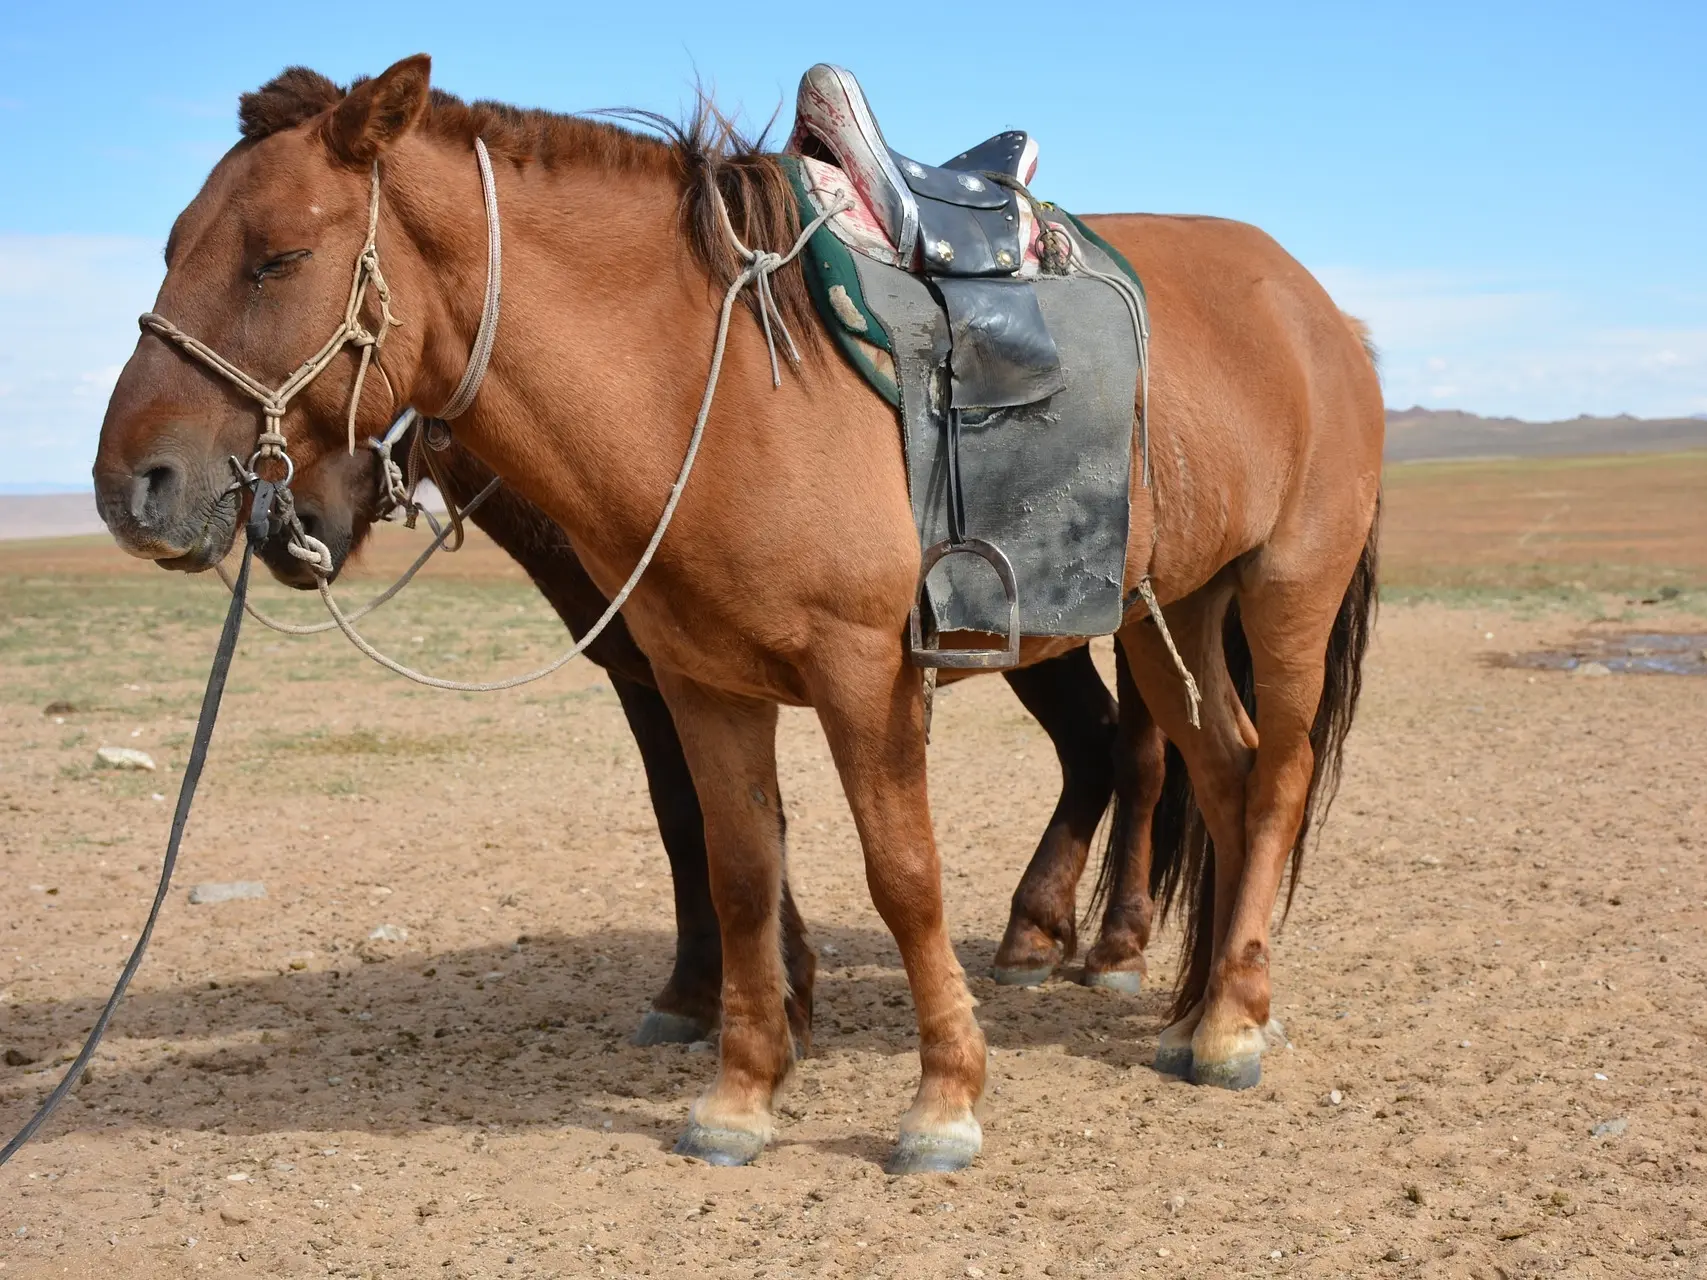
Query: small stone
x=58, y=707
x=1609, y=1128
x=233, y=1217
x=1276, y=1254
x=1463, y=1044
x=1176, y=1202
x=204, y=894
x=1335, y=1097
x=1591, y=669
x=123, y=758
x=1394, y=1255
x=700, y=1046
x=977, y=1273
x=389, y=933
x=18, y=1058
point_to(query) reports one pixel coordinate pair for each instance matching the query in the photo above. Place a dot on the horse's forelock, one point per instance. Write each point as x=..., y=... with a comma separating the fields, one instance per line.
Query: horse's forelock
x=294, y=95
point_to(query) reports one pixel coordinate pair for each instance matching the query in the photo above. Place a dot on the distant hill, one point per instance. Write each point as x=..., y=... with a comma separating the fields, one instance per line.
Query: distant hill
x=1416, y=434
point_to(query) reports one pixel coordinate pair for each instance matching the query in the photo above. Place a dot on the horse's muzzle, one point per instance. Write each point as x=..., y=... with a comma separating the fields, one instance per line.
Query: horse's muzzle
x=180, y=517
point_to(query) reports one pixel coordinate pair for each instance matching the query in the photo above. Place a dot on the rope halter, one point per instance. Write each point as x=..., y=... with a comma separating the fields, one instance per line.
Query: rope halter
x=352, y=332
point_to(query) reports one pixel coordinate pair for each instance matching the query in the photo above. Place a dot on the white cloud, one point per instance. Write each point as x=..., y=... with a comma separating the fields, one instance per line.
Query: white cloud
x=1455, y=341
x=68, y=308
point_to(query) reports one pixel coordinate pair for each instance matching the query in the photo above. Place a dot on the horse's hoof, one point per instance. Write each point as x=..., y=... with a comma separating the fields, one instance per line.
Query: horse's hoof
x=1127, y=981
x=1242, y=1072
x=658, y=1027
x=934, y=1152
x=1018, y=976
x=726, y=1147
x=1174, y=1060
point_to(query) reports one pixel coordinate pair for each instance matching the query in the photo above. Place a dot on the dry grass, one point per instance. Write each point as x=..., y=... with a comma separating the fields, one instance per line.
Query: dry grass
x=1620, y=523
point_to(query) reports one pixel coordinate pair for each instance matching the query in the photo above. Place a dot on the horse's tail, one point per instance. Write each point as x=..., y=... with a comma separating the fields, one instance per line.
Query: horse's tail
x=1182, y=853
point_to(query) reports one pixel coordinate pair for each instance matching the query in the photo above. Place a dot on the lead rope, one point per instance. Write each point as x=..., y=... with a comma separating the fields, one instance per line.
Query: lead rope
x=442, y=534
x=761, y=265
x=256, y=532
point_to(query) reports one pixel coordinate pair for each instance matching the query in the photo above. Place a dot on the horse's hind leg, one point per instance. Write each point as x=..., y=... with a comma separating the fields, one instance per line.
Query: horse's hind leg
x=1287, y=621
x=1217, y=753
x=1117, y=959
x=730, y=743
x=687, y=1008
x=872, y=712
x=1070, y=701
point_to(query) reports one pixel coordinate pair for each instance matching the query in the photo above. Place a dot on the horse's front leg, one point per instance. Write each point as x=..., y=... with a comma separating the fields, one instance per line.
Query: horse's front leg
x=871, y=707
x=730, y=743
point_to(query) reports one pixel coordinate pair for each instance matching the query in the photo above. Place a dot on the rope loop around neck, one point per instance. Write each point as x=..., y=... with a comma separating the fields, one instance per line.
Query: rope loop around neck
x=486, y=336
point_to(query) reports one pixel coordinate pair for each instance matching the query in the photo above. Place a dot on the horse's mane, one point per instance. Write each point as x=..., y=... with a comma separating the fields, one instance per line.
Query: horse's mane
x=705, y=153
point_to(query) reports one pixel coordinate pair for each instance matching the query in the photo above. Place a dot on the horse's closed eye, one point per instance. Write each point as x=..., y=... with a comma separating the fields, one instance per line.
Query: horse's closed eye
x=279, y=265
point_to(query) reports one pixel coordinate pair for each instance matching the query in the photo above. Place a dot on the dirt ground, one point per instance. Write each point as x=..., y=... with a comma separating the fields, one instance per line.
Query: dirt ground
x=1497, y=948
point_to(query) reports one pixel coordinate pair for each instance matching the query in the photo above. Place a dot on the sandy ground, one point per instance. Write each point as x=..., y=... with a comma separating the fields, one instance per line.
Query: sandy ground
x=1498, y=946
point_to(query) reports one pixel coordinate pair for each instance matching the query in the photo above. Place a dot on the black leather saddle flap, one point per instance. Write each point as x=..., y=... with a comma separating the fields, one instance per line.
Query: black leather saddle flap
x=1000, y=154
x=957, y=241
x=968, y=190
x=1002, y=352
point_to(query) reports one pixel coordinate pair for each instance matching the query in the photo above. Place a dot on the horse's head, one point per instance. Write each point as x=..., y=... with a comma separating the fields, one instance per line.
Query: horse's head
x=338, y=498
x=259, y=272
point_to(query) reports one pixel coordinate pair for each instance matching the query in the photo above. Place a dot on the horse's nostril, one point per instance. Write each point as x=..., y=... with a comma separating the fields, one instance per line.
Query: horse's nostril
x=151, y=492
x=311, y=523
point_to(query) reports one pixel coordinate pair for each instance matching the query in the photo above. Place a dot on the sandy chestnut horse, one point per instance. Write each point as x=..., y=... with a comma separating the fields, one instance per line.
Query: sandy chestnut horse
x=788, y=574
x=339, y=497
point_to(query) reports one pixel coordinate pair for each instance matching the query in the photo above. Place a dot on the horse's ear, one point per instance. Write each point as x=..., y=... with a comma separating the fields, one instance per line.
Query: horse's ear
x=377, y=112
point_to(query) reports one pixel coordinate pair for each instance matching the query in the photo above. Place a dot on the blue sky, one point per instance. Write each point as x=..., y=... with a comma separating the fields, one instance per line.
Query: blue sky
x=1514, y=195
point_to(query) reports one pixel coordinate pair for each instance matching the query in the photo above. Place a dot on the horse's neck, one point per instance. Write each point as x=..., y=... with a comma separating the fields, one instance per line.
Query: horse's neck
x=602, y=346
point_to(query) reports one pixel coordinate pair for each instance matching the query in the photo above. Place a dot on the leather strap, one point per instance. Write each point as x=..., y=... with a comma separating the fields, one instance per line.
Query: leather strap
x=256, y=531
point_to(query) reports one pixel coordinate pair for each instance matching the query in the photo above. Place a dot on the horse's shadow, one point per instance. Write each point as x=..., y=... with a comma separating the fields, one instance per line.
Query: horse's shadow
x=533, y=1034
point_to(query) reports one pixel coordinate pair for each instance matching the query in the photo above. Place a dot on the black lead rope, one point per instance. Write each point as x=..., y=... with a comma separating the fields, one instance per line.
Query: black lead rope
x=255, y=532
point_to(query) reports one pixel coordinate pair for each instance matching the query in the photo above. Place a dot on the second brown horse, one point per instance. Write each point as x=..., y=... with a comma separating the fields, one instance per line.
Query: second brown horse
x=337, y=500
